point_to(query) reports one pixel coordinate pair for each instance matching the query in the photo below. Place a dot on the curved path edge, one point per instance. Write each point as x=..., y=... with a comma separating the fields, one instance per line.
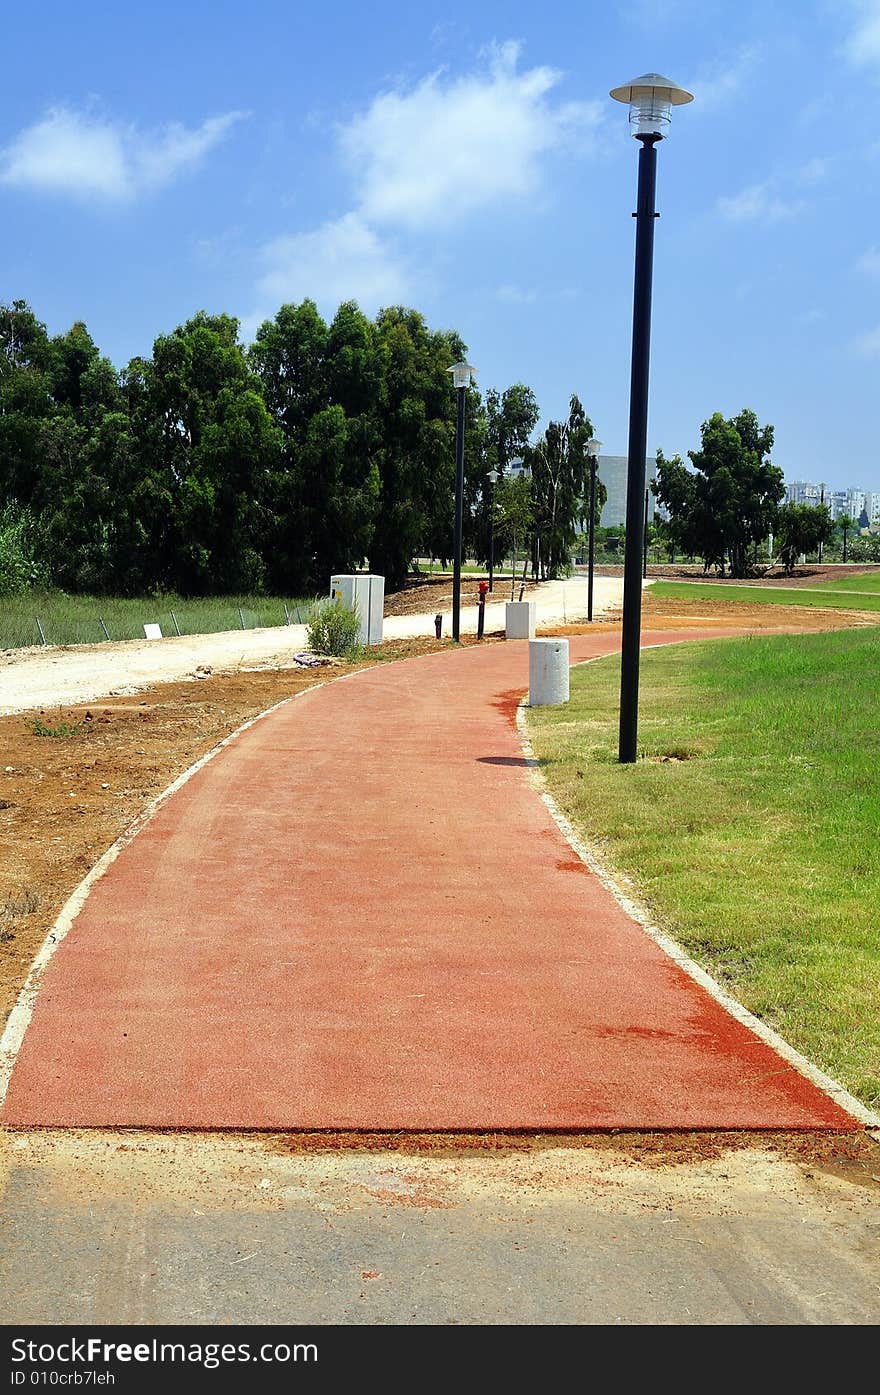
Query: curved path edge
x=674, y=950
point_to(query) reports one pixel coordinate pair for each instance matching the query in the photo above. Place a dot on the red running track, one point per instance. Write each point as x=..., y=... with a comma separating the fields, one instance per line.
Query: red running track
x=318, y=932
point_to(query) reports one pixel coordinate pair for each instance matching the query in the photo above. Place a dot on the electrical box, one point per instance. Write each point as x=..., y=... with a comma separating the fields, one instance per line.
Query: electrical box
x=365, y=593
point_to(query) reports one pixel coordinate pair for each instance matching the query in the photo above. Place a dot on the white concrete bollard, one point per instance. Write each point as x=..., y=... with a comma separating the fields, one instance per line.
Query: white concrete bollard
x=548, y=672
x=519, y=620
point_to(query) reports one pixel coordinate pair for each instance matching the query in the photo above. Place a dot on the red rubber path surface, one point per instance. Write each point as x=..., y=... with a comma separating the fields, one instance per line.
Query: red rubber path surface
x=314, y=933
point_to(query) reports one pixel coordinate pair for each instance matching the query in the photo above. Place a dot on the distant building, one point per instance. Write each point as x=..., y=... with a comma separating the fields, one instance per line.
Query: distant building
x=612, y=473
x=838, y=501
x=804, y=492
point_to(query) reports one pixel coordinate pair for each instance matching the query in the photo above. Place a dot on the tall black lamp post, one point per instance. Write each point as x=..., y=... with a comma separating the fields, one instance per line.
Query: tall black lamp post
x=461, y=376
x=593, y=448
x=493, y=476
x=650, y=99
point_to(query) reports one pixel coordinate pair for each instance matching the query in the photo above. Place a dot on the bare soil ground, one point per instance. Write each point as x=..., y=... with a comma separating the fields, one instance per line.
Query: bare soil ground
x=813, y=574
x=722, y=1173
x=664, y=612
x=423, y=594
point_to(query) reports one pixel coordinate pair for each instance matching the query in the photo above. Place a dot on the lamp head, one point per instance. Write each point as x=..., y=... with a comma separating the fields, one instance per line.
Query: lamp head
x=461, y=374
x=593, y=447
x=651, y=99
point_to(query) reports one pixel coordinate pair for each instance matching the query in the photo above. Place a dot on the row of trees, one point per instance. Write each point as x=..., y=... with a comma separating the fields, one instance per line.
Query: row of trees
x=214, y=468
x=728, y=505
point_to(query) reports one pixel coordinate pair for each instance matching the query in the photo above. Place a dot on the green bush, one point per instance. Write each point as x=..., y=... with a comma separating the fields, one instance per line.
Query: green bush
x=333, y=628
x=22, y=550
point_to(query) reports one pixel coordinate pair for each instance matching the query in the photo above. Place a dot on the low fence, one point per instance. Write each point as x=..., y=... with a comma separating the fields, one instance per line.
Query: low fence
x=47, y=619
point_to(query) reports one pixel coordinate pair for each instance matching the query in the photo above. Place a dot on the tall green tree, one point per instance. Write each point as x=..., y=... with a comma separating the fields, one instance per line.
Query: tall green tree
x=416, y=454
x=559, y=465
x=514, y=518
x=210, y=447
x=500, y=428
x=727, y=506
x=325, y=388
x=26, y=401
x=845, y=524
x=511, y=417
x=288, y=354
x=802, y=528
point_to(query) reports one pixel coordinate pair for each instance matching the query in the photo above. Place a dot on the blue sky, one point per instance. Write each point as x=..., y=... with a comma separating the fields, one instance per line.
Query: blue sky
x=466, y=159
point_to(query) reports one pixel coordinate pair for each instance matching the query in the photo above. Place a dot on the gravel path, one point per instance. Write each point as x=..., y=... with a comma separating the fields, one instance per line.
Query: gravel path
x=61, y=674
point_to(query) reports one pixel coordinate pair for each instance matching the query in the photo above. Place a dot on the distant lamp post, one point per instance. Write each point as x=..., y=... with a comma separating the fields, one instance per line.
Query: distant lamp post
x=593, y=448
x=650, y=99
x=493, y=476
x=461, y=377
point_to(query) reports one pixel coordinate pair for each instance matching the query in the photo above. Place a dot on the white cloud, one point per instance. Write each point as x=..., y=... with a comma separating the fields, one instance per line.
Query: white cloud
x=862, y=45
x=342, y=260
x=756, y=204
x=719, y=81
x=449, y=146
x=515, y=295
x=421, y=158
x=814, y=171
x=869, y=262
x=868, y=344
x=77, y=153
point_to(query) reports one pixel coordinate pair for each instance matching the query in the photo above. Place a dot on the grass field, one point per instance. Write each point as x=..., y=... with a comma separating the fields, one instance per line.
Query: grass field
x=78, y=619
x=867, y=581
x=750, y=825
x=832, y=596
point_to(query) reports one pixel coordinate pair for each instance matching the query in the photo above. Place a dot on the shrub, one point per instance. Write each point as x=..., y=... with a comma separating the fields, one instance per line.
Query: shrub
x=333, y=628
x=59, y=733
x=22, y=550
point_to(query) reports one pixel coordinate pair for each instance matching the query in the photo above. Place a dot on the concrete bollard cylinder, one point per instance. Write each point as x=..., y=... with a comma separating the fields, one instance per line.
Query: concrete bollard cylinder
x=548, y=672
x=519, y=620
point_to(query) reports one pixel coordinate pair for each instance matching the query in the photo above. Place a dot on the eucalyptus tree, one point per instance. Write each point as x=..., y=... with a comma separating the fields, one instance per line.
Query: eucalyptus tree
x=559, y=464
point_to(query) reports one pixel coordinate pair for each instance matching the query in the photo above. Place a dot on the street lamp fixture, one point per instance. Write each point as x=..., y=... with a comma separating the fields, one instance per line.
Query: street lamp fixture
x=593, y=448
x=650, y=99
x=493, y=476
x=461, y=376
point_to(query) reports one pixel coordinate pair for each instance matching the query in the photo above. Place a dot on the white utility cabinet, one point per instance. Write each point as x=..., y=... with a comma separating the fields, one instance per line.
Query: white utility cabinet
x=365, y=593
x=520, y=618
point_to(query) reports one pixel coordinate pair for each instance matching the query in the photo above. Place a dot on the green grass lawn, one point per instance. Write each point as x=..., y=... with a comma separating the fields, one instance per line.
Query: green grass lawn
x=751, y=823
x=77, y=619
x=832, y=596
x=866, y=581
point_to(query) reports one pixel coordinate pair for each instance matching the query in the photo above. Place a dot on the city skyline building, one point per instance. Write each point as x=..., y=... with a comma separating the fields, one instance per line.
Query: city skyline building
x=851, y=501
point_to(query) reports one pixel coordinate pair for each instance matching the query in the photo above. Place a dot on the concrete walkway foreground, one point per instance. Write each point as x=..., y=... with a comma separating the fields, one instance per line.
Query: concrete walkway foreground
x=361, y=915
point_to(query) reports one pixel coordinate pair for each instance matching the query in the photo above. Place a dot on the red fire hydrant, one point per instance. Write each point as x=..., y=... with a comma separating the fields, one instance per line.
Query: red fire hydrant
x=481, y=613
